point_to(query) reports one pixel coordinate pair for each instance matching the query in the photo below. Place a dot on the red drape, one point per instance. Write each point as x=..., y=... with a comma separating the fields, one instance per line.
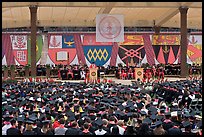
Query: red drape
x=6, y=41
x=79, y=48
x=114, y=54
x=149, y=49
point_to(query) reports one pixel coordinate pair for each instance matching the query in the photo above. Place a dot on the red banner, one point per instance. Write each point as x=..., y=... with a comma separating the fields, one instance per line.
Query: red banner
x=91, y=40
x=133, y=40
x=165, y=40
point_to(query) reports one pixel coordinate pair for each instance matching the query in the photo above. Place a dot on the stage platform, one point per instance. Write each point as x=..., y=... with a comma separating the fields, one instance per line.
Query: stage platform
x=115, y=80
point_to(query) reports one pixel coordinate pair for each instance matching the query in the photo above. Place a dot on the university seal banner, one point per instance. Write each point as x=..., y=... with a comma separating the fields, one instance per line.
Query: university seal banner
x=109, y=28
x=39, y=46
x=98, y=55
x=19, y=46
x=59, y=43
x=129, y=52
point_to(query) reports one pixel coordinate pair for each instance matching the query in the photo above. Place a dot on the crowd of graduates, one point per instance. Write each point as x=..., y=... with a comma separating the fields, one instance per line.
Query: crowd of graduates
x=168, y=108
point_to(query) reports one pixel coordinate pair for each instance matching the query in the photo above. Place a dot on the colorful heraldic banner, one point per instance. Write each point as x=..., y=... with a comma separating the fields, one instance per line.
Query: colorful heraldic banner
x=139, y=73
x=109, y=28
x=165, y=39
x=98, y=55
x=61, y=44
x=90, y=39
x=129, y=52
x=19, y=45
x=132, y=40
x=39, y=46
x=194, y=50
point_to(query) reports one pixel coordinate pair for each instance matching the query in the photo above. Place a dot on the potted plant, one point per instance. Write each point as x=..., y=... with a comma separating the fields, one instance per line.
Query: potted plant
x=5, y=71
x=12, y=69
x=27, y=67
x=48, y=70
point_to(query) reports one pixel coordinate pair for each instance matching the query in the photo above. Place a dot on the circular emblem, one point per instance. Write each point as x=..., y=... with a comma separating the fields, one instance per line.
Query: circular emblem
x=139, y=73
x=109, y=27
x=93, y=74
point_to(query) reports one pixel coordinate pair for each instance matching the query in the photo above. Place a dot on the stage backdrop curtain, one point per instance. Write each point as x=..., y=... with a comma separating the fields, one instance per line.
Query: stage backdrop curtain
x=7, y=47
x=149, y=49
x=79, y=48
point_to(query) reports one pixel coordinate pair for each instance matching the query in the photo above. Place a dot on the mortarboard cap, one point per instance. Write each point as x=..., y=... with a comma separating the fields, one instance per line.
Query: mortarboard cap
x=158, y=123
x=45, y=122
x=186, y=124
x=99, y=122
x=153, y=116
x=143, y=113
x=29, y=122
x=71, y=118
x=147, y=120
x=33, y=118
x=168, y=114
x=20, y=118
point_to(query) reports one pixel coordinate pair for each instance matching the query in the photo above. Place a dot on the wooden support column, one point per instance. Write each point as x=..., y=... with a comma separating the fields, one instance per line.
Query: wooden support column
x=183, y=53
x=157, y=29
x=33, y=12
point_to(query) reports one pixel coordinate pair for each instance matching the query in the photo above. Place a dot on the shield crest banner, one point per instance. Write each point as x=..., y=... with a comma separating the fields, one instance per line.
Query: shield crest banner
x=128, y=52
x=98, y=55
x=62, y=43
x=19, y=46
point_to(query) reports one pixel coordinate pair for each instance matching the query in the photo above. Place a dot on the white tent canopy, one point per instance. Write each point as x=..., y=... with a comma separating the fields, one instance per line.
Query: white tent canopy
x=82, y=14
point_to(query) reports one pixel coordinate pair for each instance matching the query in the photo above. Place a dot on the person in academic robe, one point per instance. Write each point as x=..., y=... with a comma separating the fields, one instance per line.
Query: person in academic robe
x=13, y=130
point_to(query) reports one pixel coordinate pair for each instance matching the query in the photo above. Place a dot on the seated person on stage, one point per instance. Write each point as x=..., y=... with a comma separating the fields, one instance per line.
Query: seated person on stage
x=130, y=73
x=70, y=74
x=82, y=73
x=63, y=73
x=124, y=74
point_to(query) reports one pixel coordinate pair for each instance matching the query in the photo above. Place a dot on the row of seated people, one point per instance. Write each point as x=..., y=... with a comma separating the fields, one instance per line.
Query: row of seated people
x=129, y=73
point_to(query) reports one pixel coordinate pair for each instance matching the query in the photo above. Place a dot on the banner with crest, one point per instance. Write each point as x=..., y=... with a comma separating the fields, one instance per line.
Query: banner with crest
x=98, y=55
x=62, y=43
x=194, y=50
x=19, y=46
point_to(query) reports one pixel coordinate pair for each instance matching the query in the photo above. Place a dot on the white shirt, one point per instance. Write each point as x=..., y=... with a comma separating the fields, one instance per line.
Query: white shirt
x=121, y=130
x=4, y=128
x=102, y=132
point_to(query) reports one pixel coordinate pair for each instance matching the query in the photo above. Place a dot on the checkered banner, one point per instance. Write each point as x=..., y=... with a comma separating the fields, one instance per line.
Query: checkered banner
x=109, y=28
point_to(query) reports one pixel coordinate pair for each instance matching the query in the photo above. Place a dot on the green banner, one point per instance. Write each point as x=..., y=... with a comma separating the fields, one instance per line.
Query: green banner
x=39, y=46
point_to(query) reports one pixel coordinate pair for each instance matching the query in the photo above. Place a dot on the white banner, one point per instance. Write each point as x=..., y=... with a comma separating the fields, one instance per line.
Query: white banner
x=109, y=28
x=19, y=42
x=55, y=41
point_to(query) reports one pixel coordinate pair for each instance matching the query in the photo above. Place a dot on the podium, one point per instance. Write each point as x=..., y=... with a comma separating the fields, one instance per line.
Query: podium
x=139, y=73
x=93, y=75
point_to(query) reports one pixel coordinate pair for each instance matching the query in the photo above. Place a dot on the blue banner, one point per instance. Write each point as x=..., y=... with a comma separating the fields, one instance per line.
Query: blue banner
x=98, y=55
x=68, y=41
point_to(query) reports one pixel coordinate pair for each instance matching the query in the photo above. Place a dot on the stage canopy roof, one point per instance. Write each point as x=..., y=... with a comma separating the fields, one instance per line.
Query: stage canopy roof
x=83, y=14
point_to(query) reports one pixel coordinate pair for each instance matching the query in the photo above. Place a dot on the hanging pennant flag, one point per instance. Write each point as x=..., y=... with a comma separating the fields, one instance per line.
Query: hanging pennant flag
x=109, y=28
x=171, y=58
x=160, y=57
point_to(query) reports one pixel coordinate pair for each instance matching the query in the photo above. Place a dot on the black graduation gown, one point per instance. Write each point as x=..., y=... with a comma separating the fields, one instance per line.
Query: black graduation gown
x=29, y=132
x=73, y=131
x=63, y=74
x=13, y=131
